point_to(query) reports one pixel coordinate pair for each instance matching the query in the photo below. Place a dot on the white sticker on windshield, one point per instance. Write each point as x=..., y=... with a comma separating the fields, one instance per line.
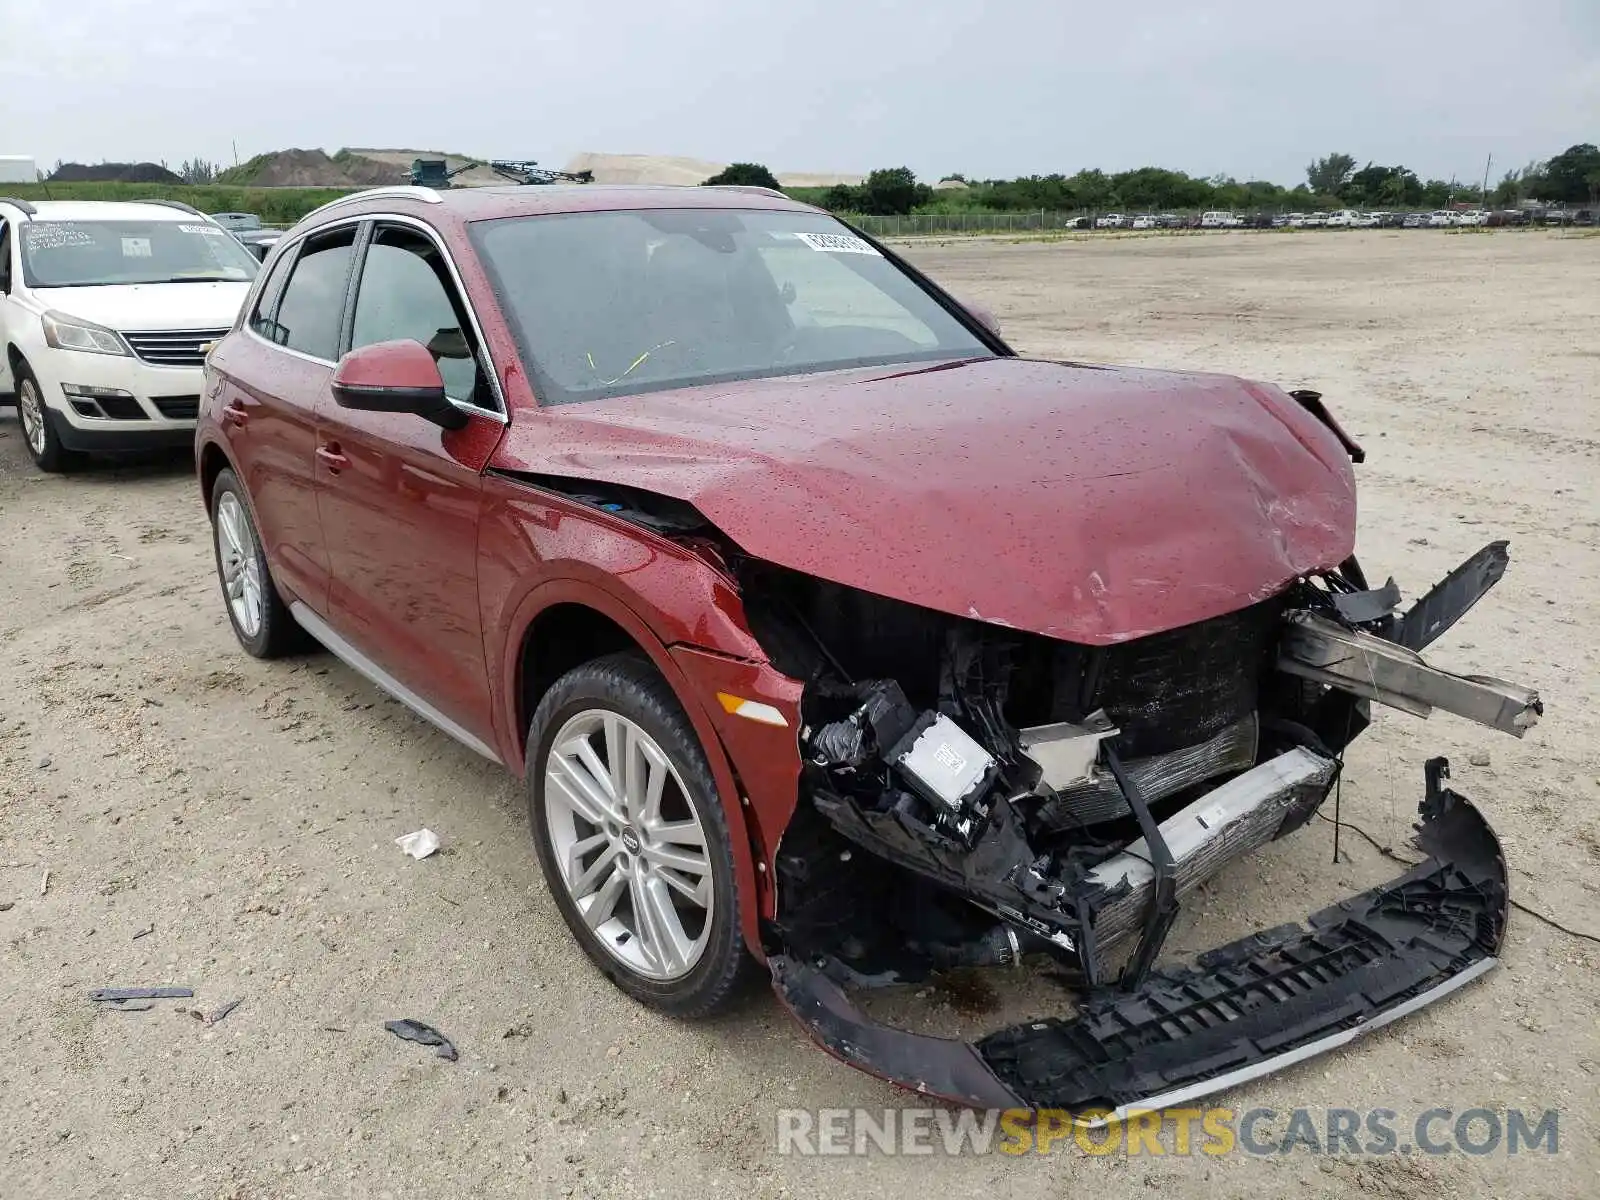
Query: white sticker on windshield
x=209, y=230
x=837, y=243
x=49, y=235
x=135, y=247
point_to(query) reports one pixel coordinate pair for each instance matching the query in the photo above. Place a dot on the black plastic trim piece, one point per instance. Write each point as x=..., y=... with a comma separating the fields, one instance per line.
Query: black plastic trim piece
x=1449, y=599
x=1312, y=402
x=1242, y=1011
x=1163, y=909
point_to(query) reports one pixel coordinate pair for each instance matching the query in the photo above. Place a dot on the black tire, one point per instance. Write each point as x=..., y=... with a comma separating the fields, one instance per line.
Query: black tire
x=51, y=456
x=279, y=634
x=628, y=684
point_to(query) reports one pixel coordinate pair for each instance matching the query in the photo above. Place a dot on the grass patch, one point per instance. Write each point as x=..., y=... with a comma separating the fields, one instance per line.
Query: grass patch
x=276, y=206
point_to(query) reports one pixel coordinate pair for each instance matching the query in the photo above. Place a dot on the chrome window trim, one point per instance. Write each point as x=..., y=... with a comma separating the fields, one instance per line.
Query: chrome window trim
x=287, y=246
x=398, y=191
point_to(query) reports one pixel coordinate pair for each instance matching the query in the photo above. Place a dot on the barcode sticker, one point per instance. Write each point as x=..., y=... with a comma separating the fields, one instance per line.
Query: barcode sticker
x=837, y=243
x=135, y=247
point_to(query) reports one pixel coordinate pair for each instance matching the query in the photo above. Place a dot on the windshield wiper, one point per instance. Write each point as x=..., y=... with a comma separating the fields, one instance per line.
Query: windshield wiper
x=199, y=279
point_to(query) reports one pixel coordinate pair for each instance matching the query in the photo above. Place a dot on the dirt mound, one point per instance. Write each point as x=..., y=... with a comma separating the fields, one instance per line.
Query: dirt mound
x=645, y=168
x=401, y=160
x=668, y=169
x=313, y=168
x=113, y=172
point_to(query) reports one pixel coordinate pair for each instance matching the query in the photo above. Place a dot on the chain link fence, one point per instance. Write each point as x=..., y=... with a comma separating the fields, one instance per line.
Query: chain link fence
x=1033, y=221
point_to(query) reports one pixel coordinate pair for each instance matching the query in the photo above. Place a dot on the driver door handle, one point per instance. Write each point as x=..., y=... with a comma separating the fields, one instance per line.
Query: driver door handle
x=330, y=454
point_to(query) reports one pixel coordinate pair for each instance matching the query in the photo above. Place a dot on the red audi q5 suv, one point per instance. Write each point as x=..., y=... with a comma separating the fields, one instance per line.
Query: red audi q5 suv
x=832, y=635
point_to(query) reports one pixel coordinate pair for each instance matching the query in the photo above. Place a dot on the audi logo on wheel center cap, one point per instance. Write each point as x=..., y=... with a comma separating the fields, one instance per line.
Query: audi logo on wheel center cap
x=630, y=840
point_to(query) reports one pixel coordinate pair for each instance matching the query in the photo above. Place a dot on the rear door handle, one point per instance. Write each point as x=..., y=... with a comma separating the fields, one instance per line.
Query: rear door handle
x=232, y=414
x=333, y=457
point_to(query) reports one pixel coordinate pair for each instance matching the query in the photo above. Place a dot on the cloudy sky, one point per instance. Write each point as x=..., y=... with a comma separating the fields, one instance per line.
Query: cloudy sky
x=1250, y=88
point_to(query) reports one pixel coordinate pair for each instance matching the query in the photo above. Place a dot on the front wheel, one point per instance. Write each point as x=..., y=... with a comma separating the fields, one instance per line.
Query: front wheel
x=632, y=837
x=38, y=434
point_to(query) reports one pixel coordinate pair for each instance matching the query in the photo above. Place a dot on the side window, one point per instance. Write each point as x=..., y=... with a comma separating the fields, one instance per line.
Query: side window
x=312, y=308
x=5, y=257
x=262, y=319
x=406, y=292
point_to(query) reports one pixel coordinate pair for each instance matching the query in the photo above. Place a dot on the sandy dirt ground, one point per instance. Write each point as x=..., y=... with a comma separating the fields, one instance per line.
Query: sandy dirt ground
x=245, y=812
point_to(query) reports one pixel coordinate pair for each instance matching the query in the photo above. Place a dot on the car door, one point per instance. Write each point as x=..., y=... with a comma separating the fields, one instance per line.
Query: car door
x=399, y=496
x=7, y=308
x=272, y=387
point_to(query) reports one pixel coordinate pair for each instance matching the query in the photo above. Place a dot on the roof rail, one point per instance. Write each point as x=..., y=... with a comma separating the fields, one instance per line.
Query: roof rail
x=27, y=208
x=177, y=204
x=398, y=191
x=753, y=189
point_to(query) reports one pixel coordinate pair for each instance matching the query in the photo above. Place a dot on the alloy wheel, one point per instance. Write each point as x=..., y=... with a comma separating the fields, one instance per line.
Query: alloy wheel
x=241, y=565
x=31, y=409
x=629, y=845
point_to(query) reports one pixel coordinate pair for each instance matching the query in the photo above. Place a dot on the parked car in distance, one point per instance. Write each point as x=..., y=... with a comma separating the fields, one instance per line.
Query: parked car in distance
x=1144, y=221
x=1315, y=220
x=1219, y=220
x=106, y=313
x=674, y=501
x=1112, y=221
x=1441, y=219
x=259, y=241
x=237, y=222
x=1415, y=220
x=1340, y=219
x=1474, y=216
x=1366, y=220
x=1296, y=220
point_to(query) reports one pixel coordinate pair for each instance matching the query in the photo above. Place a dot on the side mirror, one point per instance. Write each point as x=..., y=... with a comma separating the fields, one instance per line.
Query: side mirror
x=984, y=316
x=398, y=377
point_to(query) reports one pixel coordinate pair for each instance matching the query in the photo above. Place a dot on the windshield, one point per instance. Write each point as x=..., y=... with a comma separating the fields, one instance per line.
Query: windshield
x=90, y=253
x=610, y=303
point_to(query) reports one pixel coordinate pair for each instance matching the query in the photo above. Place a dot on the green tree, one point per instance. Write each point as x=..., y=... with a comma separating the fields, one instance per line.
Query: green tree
x=1571, y=176
x=1328, y=174
x=744, y=174
x=893, y=191
x=1092, y=189
x=841, y=197
x=1375, y=186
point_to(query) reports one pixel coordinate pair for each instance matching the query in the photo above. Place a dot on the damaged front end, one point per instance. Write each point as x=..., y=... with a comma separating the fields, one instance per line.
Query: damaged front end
x=927, y=792
x=1039, y=797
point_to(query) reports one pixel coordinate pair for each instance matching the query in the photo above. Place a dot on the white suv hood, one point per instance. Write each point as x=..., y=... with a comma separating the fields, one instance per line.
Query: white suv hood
x=150, y=305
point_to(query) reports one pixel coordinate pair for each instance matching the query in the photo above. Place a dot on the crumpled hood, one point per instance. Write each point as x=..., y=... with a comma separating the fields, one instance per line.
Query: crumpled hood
x=149, y=306
x=1090, y=504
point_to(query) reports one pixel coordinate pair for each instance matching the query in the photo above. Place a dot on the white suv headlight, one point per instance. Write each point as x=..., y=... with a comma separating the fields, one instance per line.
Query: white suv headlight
x=68, y=333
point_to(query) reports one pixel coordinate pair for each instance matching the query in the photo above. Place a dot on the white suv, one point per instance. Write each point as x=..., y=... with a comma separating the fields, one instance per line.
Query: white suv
x=106, y=313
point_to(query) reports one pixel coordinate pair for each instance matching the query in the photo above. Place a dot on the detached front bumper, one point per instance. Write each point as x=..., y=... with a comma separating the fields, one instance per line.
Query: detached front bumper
x=1241, y=1011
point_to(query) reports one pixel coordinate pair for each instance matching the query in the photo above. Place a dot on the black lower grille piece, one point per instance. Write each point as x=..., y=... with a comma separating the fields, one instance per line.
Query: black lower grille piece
x=1239, y=1012
x=177, y=408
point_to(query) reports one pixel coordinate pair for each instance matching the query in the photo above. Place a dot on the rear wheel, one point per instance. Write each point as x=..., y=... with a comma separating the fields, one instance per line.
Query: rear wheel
x=260, y=619
x=632, y=838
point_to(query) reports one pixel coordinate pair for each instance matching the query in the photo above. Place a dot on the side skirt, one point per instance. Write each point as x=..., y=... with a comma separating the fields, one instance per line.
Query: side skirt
x=364, y=666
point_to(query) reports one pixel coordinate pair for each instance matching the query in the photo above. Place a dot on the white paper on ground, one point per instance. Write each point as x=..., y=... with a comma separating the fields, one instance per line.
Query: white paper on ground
x=419, y=844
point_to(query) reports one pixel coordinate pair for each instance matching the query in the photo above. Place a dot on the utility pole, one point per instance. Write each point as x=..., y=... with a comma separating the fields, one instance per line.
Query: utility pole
x=1483, y=192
